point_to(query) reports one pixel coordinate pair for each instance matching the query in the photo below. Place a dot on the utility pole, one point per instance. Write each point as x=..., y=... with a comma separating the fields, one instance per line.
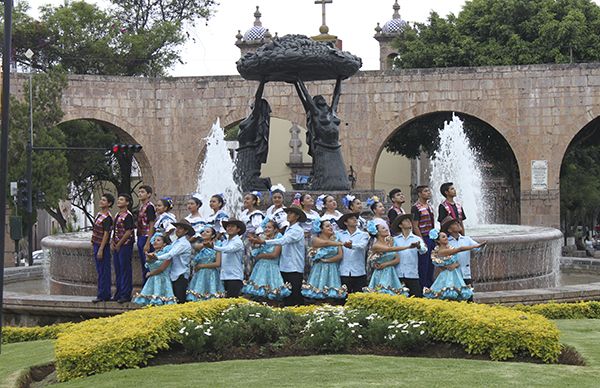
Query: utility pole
x=6, y=54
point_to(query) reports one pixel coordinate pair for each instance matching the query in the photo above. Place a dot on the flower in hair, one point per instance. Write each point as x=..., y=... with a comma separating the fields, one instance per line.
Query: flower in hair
x=258, y=196
x=316, y=226
x=434, y=234
x=296, y=201
x=168, y=200
x=320, y=202
x=372, y=228
x=347, y=200
x=278, y=187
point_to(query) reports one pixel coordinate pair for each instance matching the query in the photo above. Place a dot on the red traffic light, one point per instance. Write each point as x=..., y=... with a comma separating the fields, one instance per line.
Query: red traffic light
x=126, y=148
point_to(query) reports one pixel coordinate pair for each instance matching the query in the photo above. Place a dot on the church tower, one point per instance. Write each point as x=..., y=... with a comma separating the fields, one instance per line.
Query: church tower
x=386, y=35
x=255, y=37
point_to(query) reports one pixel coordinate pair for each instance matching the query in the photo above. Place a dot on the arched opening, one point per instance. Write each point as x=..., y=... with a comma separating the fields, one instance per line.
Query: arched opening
x=97, y=170
x=580, y=185
x=407, y=152
x=288, y=162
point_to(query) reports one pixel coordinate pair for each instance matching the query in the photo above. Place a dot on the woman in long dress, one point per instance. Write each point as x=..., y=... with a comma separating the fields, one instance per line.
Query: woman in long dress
x=383, y=258
x=194, y=218
x=275, y=211
x=158, y=289
x=265, y=281
x=449, y=284
x=330, y=211
x=324, y=280
x=206, y=282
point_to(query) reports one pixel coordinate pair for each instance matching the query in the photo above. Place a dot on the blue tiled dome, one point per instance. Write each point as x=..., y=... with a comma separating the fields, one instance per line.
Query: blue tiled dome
x=393, y=26
x=255, y=33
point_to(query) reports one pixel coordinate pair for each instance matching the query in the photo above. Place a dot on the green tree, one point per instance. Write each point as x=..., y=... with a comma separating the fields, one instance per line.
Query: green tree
x=50, y=173
x=132, y=37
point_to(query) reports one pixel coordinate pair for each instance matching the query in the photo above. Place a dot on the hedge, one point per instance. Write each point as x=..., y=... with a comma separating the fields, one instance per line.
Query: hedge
x=579, y=310
x=127, y=340
x=500, y=331
x=12, y=334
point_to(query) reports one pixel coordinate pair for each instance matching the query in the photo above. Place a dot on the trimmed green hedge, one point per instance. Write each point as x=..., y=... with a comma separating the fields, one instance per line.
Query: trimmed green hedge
x=12, y=334
x=127, y=340
x=579, y=310
x=500, y=331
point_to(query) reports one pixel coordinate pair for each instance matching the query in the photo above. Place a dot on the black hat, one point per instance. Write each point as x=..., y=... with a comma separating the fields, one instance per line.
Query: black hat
x=189, y=229
x=396, y=223
x=296, y=210
x=232, y=221
x=446, y=222
x=343, y=219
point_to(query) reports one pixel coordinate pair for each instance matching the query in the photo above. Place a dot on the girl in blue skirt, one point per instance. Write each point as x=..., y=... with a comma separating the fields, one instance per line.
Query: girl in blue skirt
x=158, y=289
x=265, y=280
x=206, y=282
x=449, y=284
x=324, y=280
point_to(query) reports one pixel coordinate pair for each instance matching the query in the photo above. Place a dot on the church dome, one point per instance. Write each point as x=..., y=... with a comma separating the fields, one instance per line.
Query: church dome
x=394, y=25
x=257, y=31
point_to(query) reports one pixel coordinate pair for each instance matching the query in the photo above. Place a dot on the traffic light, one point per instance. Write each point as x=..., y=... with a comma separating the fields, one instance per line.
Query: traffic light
x=125, y=149
x=22, y=197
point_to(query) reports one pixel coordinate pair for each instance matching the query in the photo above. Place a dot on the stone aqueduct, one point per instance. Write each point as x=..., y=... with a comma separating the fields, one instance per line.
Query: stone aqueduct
x=537, y=108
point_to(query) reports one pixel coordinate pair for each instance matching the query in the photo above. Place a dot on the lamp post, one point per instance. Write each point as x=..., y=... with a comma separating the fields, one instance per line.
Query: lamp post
x=29, y=173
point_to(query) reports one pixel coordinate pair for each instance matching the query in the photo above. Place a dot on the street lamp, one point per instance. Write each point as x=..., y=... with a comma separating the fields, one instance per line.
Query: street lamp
x=29, y=173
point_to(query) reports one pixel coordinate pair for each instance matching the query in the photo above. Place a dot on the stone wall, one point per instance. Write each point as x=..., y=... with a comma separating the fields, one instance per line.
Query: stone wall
x=537, y=108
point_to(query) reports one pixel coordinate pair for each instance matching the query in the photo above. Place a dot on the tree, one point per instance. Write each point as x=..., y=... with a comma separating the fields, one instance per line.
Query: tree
x=504, y=32
x=132, y=37
x=49, y=168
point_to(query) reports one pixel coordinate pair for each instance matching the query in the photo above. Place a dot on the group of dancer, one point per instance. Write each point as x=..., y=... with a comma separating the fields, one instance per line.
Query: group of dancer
x=306, y=251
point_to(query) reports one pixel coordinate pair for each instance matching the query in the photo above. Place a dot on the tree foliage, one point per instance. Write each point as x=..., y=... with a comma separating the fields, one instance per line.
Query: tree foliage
x=50, y=173
x=132, y=37
x=504, y=32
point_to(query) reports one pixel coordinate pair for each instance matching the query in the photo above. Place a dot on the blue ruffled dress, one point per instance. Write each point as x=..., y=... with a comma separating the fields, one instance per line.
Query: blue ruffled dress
x=385, y=281
x=265, y=280
x=449, y=285
x=158, y=289
x=324, y=280
x=206, y=283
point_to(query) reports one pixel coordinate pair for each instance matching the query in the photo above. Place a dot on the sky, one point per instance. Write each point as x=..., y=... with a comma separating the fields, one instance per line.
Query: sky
x=213, y=52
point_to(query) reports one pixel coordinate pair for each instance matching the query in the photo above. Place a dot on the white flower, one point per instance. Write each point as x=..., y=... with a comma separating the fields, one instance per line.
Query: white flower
x=359, y=336
x=197, y=327
x=207, y=333
x=182, y=330
x=404, y=331
x=422, y=332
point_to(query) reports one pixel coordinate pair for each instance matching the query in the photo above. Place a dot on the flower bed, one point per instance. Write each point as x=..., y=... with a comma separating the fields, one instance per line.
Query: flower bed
x=368, y=322
x=500, y=331
x=579, y=310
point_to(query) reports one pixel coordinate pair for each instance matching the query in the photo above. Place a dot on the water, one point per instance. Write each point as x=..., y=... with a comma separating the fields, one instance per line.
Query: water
x=455, y=161
x=216, y=175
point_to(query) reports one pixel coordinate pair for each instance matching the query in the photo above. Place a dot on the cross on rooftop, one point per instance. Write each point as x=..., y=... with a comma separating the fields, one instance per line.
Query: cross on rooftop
x=324, y=4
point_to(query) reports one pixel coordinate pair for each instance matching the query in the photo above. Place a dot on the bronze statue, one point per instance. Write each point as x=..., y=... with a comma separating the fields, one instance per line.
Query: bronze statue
x=253, y=139
x=322, y=138
x=295, y=59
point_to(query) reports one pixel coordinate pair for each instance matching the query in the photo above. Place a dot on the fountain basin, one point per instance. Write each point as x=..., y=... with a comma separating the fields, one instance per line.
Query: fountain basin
x=72, y=270
x=516, y=257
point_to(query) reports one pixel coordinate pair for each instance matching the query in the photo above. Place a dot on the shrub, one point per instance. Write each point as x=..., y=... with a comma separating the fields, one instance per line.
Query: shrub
x=12, y=334
x=579, y=310
x=500, y=331
x=241, y=327
x=127, y=340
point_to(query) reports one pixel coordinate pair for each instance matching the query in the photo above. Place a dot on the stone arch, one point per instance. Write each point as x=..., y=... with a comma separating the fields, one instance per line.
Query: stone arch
x=124, y=137
x=506, y=192
x=588, y=135
x=413, y=113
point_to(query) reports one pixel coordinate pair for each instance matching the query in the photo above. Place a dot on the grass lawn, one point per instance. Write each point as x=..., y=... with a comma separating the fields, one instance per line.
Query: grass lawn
x=355, y=371
x=337, y=371
x=17, y=357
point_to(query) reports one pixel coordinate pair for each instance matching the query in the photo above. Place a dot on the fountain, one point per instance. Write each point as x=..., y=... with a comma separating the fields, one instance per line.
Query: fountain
x=516, y=257
x=216, y=174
